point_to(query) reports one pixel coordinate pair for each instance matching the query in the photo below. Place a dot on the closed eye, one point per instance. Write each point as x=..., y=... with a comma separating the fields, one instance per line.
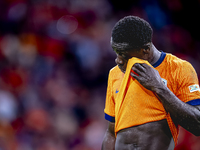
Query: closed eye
x=122, y=54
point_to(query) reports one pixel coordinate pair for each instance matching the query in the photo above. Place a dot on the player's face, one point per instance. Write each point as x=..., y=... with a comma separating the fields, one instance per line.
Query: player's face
x=123, y=56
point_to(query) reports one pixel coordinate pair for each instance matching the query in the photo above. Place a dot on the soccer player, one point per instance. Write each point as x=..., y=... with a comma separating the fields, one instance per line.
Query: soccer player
x=150, y=93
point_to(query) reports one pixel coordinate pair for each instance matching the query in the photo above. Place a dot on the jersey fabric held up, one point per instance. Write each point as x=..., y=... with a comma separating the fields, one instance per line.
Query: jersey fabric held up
x=137, y=105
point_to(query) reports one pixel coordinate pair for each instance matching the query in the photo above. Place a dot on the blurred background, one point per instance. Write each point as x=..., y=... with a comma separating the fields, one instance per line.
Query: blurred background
x=55, y=56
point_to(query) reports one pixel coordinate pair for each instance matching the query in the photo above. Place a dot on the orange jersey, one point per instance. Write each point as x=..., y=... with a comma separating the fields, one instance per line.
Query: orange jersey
x=129, y=104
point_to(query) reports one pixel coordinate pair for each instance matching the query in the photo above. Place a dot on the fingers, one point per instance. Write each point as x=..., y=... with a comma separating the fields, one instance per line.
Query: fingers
x=138, y=69
x=134, y=75
x=144, y=65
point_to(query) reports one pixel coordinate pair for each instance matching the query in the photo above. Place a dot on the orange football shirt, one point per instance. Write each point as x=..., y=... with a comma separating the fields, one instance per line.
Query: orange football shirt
x=129, y=104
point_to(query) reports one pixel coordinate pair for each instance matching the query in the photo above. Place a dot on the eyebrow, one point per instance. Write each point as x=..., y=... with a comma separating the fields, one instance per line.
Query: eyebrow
x=120, y=50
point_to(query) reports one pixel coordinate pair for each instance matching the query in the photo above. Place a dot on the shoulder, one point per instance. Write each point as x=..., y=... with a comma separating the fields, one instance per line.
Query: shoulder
x=180, y=67
x=114, y=71
x=115, y=74
x=176, y=62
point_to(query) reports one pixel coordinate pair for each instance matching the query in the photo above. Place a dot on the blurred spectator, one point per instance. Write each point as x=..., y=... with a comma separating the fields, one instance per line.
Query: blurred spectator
x=55, y=57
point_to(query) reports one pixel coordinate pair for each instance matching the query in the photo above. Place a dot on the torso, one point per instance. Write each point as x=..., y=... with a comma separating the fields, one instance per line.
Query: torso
x=152, y=134
x=144, y=106
x=149, y=136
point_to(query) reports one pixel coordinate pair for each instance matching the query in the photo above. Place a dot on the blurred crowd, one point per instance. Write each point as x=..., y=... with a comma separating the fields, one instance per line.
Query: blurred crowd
x=55, y=56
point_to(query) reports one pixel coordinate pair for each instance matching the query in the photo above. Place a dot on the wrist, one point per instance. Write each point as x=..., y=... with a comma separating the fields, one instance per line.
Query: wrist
x=160, y=90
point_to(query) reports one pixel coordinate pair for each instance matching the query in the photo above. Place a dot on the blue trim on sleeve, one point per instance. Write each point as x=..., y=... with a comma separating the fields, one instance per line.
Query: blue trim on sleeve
x=160, y=60
x=109, y=118
x=194, y=102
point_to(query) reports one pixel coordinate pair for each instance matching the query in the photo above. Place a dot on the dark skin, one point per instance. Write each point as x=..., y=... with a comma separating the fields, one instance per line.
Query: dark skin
x=154, y=135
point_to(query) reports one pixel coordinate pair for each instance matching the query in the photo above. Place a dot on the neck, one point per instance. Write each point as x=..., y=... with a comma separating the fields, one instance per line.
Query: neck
x=155, y=55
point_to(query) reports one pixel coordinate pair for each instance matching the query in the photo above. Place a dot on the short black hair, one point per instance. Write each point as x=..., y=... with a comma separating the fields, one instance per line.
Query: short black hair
x=131, y=32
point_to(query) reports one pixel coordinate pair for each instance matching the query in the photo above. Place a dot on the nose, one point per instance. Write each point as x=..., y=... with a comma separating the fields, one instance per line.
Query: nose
x=119, y=61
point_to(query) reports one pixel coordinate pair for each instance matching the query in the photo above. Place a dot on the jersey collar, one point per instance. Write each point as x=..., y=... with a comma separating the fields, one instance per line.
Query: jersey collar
x=160, y=60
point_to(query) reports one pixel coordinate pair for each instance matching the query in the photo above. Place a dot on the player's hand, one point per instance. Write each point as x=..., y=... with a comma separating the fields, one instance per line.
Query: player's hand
x=147, y=76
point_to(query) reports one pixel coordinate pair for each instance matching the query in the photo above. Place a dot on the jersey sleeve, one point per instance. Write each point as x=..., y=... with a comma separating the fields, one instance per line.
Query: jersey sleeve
x=110, y=103
x=188, y=85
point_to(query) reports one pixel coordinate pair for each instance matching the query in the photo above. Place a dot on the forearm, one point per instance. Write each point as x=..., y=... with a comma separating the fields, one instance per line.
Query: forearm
x=182, y=113
x=108, y=142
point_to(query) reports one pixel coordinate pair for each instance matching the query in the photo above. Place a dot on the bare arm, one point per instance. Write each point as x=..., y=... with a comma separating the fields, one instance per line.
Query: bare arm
x=182, y=113
x=185, y=115
x=109, y=138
